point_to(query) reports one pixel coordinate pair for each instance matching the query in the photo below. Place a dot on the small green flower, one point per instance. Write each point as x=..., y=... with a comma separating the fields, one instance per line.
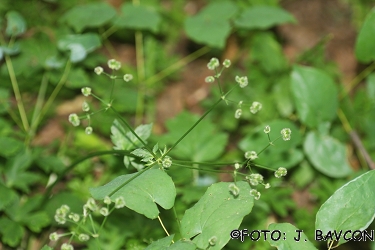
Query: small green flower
x=85, y=106
x=237, y=165
x=113, y=64
x=74, y=217
x=238, y=113
x=267, y=129
x=128, y=77
x=98, y=70
x=74, y=119
x=88, y=130
x=86, y=91
x=212, y=241
x=209, y=79
x=267, y=186
x=226, y=63
x=280, y=172
x=119, y=202
x=213, y=64
x=286, y=134
x=83, y=237
x=242, y=81
x=107, y=200
x=252, y=155
x=167, y=162
x=104, y=211
x=66, y=246
x=54, y=236
x=255, y=194
x=255, y=179
x=234, y=189
x=255, y=107
x=91, y=204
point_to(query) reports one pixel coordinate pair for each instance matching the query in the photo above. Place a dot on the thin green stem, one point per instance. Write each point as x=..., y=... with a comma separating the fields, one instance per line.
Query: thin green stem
x=357, y=80
x=175, y=66
x=203, y=169
x=176, y=217
x=17, y=93
x=162, y=225
x=195, y=124
x=132, y=131
x=132, y=178
x=141, y=77
x=38, y=107
x=108, y=32
x=205, y=163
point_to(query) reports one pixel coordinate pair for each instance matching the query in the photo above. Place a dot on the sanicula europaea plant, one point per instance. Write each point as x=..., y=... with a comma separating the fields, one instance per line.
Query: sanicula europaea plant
x=157, y=158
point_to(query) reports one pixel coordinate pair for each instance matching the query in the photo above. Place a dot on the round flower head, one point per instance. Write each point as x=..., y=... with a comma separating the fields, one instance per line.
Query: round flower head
x=226, y=63
x=252, y=155
x=267, y=129
x=66, y=246
x=85, y=106
x=54, y=236
x=238, y=113
x=98, y=70
x=255, y=107
x=286, y=133
x=167, y=162
x=209, y=79
x=119, y=202
x=86, y=91
x=113, y=64
x=88, y=130
x=234, y=189
x=128, y=77
x=255, y=193
x=280, y=172
x=74, y=119
x=83, y=237
x=74, y=217
x=237, y=165
x=255, y=179
x=107, y=200
x=242, y=81
x=213, y=64
x=104, y=211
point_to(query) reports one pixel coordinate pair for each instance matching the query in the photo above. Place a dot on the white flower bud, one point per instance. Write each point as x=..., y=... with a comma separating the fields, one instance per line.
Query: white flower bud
x=74, y=119
x=85, y=106
x=88, y=130
x=255, y=107
x=226, y=63
x=209, y=79
x=238, y=113
x=213, y=64
x=286, y=134
x=113, y=64
x=267, y=129
x=242, y=81
x=119, y=202
x=128, y=77
x=104, y=211
x=98, y=70
x=252, y=155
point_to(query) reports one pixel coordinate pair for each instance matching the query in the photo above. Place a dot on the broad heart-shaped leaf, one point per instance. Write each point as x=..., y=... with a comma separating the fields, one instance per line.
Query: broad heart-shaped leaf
x=315, y=95
x=263, y=17
x=216, y=214
x=283, y=153
x=211, y=25
x=291, y=237
x=16, y=24
x=203, y=143
x=183, y=245
x=327, y=155
x=79, y=45
x=88, y=15
x=365, y=44
x=141, y=193
x=351, y=207
x=138, y=17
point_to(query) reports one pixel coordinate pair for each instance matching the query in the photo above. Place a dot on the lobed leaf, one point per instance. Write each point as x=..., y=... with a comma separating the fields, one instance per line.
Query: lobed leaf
x=79, y=45
x=365, y=43
x=16, y=24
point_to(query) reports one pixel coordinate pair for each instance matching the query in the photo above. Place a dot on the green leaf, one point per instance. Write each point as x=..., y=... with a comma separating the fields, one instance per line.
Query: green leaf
x=268, y=52
x=45, y=247
x=217, y=213
x=327, y=155
x=15, y=49
x=315, y=95
x=7, y=196
x=36, y=221
x=11, y=232
x=125, y=140
x=142, y=193
x=79, y=45
x=351, y=207
x=143, y=153
x=9, y=146
x=89, y=15
x=138, y=17
x=283, y=97
x=211, y=25
x=291, y=237
x=16, y=24
x=183, y=245
x=161, y=243
x=203, y=143
x=77, y=78
x=365, y=44
x=263, y=17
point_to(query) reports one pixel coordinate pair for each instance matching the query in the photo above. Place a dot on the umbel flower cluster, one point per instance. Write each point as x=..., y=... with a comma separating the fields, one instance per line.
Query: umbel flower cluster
x=254, y=179
x=63, y=215
x=73, y=118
